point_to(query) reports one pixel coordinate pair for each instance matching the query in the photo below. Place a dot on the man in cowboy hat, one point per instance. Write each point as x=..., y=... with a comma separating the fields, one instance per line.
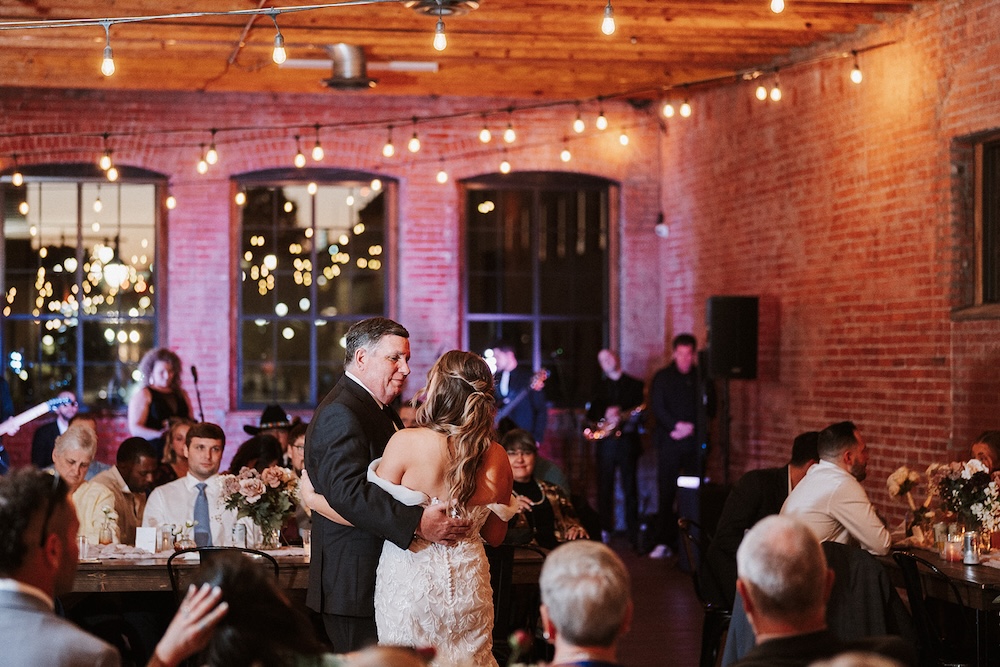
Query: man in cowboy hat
x=275, y=421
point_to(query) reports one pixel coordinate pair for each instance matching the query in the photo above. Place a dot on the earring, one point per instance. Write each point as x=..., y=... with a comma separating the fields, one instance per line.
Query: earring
x=545, y=635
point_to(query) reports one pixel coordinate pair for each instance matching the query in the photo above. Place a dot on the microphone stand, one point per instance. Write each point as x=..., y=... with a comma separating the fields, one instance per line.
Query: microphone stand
x=197, y=394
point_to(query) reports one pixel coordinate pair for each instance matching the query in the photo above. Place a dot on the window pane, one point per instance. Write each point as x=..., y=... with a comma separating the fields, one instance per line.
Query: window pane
x=500, y=261
x=571, y=255
x=991, y=222
x=39, y=363
x=569, y=352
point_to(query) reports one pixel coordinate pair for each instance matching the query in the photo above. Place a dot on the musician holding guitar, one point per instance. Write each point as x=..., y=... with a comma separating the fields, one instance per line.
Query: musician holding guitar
x=520, y=401
x=615, y=413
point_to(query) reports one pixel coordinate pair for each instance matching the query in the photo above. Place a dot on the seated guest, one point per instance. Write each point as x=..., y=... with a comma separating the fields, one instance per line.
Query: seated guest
x=71, y=457
x=297, y=454
x=96, y=467
x=274, y=421
x=174, y=464
x=128, y=481
x=44, y=439
x=784, y=583
x=259, y=452
x=986, y=448
x=758, y=493
x=586, y=606
x=38, y=561
x=198, y=495
x=261, y=627
x=545, y=515
x=830, y=499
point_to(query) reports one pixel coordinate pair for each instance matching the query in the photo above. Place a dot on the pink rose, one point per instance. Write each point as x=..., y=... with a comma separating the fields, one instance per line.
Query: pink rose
x=252, y=489
x=230, y=485
x=272, y=476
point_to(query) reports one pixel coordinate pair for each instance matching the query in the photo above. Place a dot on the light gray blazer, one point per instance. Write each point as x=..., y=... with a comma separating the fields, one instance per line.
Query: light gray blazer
x=42, y=638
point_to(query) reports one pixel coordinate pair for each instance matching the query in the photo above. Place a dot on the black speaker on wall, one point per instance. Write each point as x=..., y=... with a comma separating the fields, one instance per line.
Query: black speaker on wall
x=732, y=337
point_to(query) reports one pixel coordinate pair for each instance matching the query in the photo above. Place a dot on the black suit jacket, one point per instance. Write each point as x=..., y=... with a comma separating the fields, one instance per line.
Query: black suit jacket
x=42, y=444
x=759, y=493
x=347, y=432
x=531, y=412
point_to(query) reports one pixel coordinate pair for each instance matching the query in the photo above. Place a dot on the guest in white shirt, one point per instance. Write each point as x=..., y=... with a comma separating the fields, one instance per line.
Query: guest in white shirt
x=178, y=502
x=830, y=499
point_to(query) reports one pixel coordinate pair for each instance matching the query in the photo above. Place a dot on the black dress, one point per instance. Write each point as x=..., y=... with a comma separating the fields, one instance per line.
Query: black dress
x=163, y=406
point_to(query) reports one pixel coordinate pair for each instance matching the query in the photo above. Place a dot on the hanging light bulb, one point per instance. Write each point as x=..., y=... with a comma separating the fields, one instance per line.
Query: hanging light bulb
x=108, y=63
x=442, y=175
x=317, y=152
x=761, y=93
x=578, y=124
x=376, y=185
x=202, y=166
x=389, y=150
x=171, y=202
x=623, y=138
x=440, y=39
x=23, y=208
x=105, y=161
x=509, y=135
x=668, y=110
x=300, y=159
x=776, y=89
x=686, y=109
x=98, y=206
x=485, y=135
x=565, y=155
x=777, y=6
x=17, y=178
x=413, y=145
x=212, y=156
x=856, y=75
x=602, y=121
x=504, y=166
x=241, y=198
x=608, y=24
x=112, y=173
x=278, y=55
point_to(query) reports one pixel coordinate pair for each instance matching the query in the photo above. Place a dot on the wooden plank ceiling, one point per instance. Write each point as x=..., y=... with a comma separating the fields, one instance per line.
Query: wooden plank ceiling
x=518, y=49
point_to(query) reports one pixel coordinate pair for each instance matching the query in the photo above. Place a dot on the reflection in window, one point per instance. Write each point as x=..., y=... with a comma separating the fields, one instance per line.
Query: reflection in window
x=79, y=287
x=537, y=274
x=312, y=262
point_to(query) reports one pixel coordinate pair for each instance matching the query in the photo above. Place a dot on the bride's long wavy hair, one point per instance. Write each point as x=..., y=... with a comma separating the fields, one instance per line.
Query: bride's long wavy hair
x=458, y=402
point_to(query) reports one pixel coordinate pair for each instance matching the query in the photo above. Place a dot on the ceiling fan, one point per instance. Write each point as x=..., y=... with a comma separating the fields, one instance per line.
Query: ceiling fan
x=350, y=69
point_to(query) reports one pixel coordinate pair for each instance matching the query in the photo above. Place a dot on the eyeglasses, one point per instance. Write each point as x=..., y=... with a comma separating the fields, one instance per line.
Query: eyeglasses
x=50, y=508
x=297, y=446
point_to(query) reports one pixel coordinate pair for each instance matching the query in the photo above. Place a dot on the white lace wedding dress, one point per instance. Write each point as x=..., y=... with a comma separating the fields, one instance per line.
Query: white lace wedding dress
x=437, y=596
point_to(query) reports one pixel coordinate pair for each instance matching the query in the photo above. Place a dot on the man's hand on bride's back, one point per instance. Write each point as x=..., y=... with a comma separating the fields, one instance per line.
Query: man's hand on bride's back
x=437, y=526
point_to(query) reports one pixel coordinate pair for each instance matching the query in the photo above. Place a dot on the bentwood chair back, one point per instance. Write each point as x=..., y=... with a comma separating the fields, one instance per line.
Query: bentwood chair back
x=717, y=617
x=942, y=644
x=183, y=566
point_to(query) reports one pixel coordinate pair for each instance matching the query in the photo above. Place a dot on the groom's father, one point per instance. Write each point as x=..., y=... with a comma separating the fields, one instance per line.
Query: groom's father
x=348, y=431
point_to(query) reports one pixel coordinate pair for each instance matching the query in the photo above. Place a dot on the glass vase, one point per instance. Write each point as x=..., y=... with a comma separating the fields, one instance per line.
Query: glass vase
x=270, y=538
x=104, y=536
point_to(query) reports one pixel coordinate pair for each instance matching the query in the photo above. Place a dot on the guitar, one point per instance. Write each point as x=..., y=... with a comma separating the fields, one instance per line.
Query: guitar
x=613, y=428
x=537, y=384
x=17, y=421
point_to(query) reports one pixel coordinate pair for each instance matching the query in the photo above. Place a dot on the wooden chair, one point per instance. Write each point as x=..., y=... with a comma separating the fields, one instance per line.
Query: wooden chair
x=183, y=568
x=717, y=617
x=942, y=644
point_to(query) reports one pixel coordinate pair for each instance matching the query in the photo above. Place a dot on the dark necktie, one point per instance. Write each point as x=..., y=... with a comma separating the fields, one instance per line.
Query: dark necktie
x=202, y=529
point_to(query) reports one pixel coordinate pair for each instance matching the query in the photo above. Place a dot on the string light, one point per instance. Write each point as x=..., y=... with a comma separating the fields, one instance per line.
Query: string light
x=23, y=208
x=776, y=89
x=485, y=135
x=668, y=110
x=578, y=124
x=442, y=175
x=388, y=150
x=686, y=109
x=509, y=135
x=171, y=202
x=440, y=39
x=98, y=205
x=278, y=55
x=602, y=121
x=105, y=162
x=317, y=152
x=623, y=138
x=112, y=173
x=202, y=166
x=17, y=178
x=504, y=166
x=413, y=145
x=241, y=198
x=761, y=92
x=212, y=156
x=608, y=24
x=565, y=155
x=300, y=159
x=108, y=63
x=856, y=75
x=777, y=6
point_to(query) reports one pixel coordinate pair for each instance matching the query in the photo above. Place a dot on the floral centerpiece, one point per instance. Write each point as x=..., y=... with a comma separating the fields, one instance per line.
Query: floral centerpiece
x=970, y=491
x=267, y=498
x=902, y=483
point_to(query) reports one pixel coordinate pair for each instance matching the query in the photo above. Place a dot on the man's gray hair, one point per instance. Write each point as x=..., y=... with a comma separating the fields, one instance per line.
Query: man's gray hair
x=586, y=589
x=367, y=333
x=781, y=563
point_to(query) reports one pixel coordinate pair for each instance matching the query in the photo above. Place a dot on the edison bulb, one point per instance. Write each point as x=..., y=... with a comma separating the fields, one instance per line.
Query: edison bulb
x=212, y=156
x=414, y=144
x=602, y=122
x=608, y=24
x=113, y=174
x=202, y=166
x=278, y=55
x=300, y=160
x=509, y=135
x=485, y=135
x=623, y=139
x=856, y=75
x=388, y=150
x=686, y=109
x=505, y=167
x=317, y=152
x=775, y=93
x=22, y=208
x=376, y=185
x=668, y=110
x=565, y=155
x=578, y=125
x=108, y=64
x=98, y=206
x=442, y=176
x=171, y=202
x=105, y=162
x=777, y=6
x=241, y=198
x=440, y=40
x=17, y=179
x=761, y=92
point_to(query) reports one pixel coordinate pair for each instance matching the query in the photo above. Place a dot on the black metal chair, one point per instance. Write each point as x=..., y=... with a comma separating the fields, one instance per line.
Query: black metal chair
x=694, y=542
x=943, y=636
x=183, y=568
x=512, y=609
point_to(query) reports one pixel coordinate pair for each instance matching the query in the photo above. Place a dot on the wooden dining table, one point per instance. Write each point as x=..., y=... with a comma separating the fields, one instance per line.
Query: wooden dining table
x=978, y=586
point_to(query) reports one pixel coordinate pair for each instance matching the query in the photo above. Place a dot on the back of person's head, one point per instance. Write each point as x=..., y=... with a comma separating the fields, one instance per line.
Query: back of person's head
x=261, y=627
x=782, y=566
x=206, y=430
x=858, y=659
x=259, y=452
x=835, y=439
x=27, y=496
x=805, y=448
x=683, y=339
x=80, y=435
x=367, y=333
x=386, y=656
x=132, y=449
x=458, y=402
x=585, y=589
x=519, y=440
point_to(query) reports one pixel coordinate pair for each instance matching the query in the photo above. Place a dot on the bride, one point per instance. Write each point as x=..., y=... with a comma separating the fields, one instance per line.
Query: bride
x=432, y=595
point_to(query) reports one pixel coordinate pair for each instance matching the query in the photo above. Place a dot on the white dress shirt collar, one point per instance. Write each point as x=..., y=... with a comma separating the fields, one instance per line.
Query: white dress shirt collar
x=362, y=384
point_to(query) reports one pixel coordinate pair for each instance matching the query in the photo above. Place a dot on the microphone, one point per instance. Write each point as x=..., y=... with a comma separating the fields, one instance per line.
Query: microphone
x=201, y=410
x=194, y=372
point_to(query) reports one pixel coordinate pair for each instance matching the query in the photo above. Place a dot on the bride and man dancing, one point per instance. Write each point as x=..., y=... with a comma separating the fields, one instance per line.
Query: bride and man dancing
x=396, y=549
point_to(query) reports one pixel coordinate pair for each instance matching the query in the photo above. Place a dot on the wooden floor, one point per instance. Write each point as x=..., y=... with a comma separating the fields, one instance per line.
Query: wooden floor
x=666, y=627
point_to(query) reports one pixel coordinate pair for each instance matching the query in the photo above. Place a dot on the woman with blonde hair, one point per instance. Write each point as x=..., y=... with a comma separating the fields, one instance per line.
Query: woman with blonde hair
x=429, y=594
x=174, y=464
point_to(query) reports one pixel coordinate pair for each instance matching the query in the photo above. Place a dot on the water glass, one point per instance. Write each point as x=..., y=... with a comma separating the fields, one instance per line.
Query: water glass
x=83, y=544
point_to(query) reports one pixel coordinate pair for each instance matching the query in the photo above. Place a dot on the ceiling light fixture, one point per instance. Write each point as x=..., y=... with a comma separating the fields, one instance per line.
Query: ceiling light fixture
x=317, y=152
x=608, y=24
x=108, y=63
x=112, y=173
x=777, y=6
x=856, y=75
x=440, y=39
x=98, y=205
x=565, y=155
x=278, y=55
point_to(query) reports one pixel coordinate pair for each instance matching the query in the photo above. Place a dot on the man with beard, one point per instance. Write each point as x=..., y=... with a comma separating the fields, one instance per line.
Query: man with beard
x=830, y=499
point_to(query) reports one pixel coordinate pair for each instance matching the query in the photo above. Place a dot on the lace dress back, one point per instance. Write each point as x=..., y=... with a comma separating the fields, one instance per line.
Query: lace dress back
x=438, y=596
